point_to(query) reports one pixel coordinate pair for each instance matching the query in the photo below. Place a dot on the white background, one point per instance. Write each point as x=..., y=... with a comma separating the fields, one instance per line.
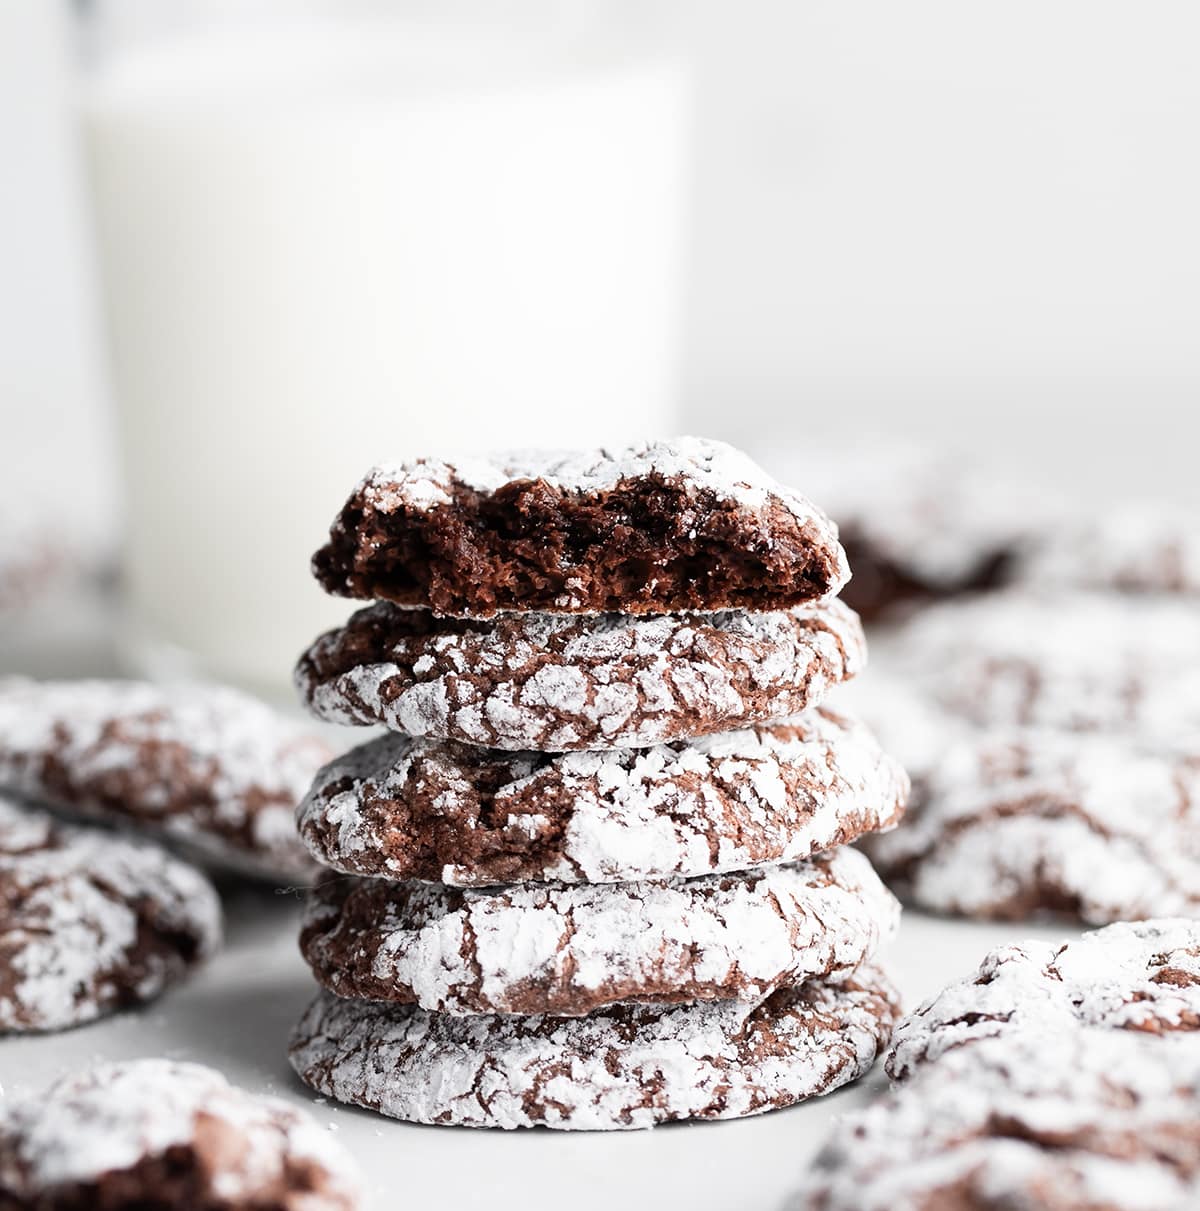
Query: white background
x=973, y=223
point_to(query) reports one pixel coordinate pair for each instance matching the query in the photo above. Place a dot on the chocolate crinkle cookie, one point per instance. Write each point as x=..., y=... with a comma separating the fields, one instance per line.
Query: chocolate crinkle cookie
x=568, y=949
x=461, y=815
x=1071, y=660
x=91, y=923
x=1087, y=1121
x=558, y=683
x=204, y=767
x=1134, y=548
x=1017, y=824
x=625, y=1067
x=153, y=1135
x=1142, y=977
x=917, y=526
x=656, y=528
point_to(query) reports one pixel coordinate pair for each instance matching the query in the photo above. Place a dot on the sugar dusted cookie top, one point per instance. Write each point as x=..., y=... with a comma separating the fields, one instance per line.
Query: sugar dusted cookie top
x=1143, y=976
x=155, y=1133
x=1131, y=548
x=659, y=527
x=621, y=1068
x=558, y=683
x=571, y=949
x=918, y=525
x=460, y=814
x=1058, y=1122
x=91, y=922
x=1072, y=660
x=204, y=766
x=1020, y=822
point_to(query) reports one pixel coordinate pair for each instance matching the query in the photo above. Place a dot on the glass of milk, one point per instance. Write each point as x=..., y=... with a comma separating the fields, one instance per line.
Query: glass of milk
x=335, y=234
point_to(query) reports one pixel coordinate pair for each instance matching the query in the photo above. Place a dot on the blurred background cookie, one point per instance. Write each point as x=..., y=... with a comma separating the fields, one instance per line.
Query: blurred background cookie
x=91, y=923
x=1011, y=825
x=204, y=767
x=1066, y=1122
x=1142, y=977
x=156, y=1133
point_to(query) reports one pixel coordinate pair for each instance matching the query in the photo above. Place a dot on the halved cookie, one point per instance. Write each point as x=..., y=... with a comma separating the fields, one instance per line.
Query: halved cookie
x=656, y=528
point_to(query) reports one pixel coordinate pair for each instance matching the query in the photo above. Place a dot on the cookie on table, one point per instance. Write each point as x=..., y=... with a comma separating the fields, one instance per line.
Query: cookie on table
x=1127, y=549
x=917, y=526
x=569, y=949
x=1069, y=660
x=626, y=1067
x=1012, y=825
x=1142, y=977
x=91, y=923
x=1077, y=1122
x=203, y=766
x=156, y=1134
x=451, y=813
x=557, y=683
x=660, y=527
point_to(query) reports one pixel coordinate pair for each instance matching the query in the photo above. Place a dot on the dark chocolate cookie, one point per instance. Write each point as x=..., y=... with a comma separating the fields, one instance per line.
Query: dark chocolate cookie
x=568, y=949
x=1095, y=828
x=657, y=528
x=1076, y=661
x=202, y=766
x=151, y=1134
x=625, y=1067
x=556, y=682
x=1143, y=976
x=468, y=816
x=91, y=923
x=1130, y=548
x=1087, y=1121
x=917, y=526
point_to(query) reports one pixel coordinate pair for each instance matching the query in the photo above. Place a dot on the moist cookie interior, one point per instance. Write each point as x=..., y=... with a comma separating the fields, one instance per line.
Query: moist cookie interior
x=648, y=544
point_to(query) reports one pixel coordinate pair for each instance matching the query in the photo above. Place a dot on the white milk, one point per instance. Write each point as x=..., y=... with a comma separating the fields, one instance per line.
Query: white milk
x=319, y=252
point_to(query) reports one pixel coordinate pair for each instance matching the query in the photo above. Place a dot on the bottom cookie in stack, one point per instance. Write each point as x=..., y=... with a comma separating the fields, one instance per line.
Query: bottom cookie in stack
x=600, y=1007
x=623, y=1067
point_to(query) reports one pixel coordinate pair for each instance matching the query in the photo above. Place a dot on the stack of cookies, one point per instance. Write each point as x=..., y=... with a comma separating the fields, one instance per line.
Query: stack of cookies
x=594, y=876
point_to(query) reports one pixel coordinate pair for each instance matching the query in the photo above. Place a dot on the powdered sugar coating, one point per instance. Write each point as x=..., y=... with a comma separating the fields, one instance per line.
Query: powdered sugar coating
x=200, y=765
x=1076, y=1122
x=556, y=683
x=623, y=1068
x=706, y=465
x=91, y=922
x=569, y=949
x=1131, y=548
x=1100, y=828
x=1069, y=660
x=931, y=515
x=1143, y=976
x=655, y=528
x=115, y=1124
x=465, y=816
